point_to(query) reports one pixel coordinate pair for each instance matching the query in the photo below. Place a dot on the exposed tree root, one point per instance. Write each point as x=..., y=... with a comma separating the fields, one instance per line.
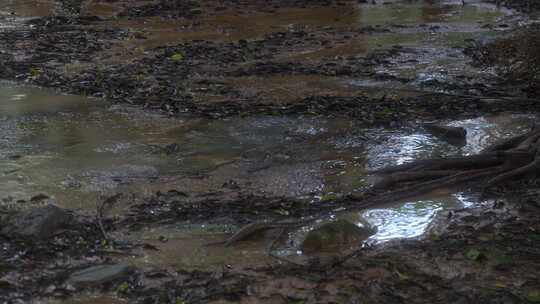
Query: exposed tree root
x=509, y=159
x=515, y=173
x=506, y=160
x=400, y=177
x=453, y=163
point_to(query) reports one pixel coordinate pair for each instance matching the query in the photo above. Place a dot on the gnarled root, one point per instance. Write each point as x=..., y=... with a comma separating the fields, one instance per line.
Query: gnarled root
x=510, y=159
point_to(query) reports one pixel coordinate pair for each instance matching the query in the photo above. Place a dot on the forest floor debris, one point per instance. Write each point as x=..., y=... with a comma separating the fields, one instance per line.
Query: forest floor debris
x=146, y=54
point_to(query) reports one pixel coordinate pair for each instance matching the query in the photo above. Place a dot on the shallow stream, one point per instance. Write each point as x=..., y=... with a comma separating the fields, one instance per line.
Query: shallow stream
x=75, y=150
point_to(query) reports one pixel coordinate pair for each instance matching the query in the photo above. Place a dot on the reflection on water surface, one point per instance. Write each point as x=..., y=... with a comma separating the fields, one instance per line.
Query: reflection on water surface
x=74, y=149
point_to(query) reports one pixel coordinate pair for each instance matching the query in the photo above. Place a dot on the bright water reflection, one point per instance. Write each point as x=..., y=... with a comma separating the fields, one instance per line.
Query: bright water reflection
x=411, y=218
x=399, y=147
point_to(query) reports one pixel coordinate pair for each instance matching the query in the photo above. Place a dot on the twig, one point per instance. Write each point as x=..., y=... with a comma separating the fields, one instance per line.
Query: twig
x=99, y=216
x=100, y=211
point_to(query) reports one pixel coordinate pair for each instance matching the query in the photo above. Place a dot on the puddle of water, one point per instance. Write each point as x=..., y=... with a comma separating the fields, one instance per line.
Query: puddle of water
x=256, y=24
x=27, y=8
x=103, y=9
x=406, y=219
x=69, y=146
x=235, y=25
x=398, y=148
x=359, y=46
x=232, y=26
x=89, y=299
x=484, y=131
x=290, y=88
x=429, y=12
x=411, y=218
x=192, y=248
x=48, y=139
x=397, y=220
x=74, y=149
x=432, y=30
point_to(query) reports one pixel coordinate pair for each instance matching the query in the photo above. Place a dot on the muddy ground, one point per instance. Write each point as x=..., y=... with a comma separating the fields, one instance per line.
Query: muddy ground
x=217, y=59
x=485, y=254
x=210, y=65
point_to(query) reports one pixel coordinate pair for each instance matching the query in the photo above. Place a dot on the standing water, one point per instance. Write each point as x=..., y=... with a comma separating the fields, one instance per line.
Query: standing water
x=74, y=149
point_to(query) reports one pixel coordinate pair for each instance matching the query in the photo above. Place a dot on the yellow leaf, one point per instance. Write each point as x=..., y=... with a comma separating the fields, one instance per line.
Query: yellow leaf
x=177, y=57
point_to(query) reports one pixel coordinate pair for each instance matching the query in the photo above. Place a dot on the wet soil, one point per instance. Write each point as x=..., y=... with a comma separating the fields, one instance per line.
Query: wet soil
x=514, y=57
x=476, y=259
x=208, y=65
x=483, y=254
x=210, y=115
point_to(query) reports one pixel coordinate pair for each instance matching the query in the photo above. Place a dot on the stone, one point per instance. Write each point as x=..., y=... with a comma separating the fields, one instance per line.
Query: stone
x=453, y=135
x=101, y=274
x=39, y=198
x=42, y=222
x=336, y=236
x=171, y=148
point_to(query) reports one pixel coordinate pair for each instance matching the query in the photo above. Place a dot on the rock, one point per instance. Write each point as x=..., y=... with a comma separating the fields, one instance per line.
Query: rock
x=39, y=198
x=41, y=222
x=453, y=135
x=96, y=275
x=336, y=236
x=14, y=157
x=71, y=183
x=171, y=148
x=138, y=35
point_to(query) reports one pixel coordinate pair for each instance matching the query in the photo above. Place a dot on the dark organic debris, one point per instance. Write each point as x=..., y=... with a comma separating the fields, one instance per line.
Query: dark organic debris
x=523, y=5
x=515, y=56
x=488, y=254
x=493, y=240
x=165, y=8
x=38, y=223
x=41, y=246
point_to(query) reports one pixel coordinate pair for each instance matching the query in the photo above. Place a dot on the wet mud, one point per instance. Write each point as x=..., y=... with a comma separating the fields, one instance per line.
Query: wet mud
x=187, y=120
x=197, y=65
x=481, y=254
